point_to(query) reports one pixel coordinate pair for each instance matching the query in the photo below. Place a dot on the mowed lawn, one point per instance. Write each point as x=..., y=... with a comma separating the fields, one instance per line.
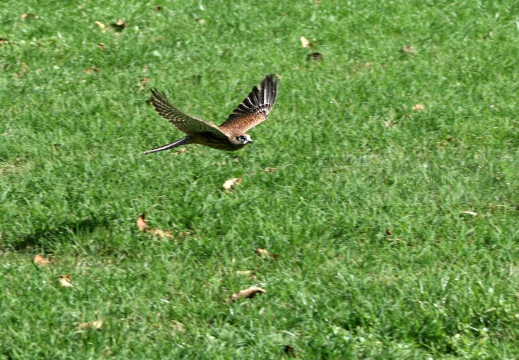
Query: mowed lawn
x=385, y=181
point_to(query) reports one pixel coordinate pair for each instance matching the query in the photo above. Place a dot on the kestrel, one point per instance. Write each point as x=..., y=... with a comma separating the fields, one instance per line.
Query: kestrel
x=231, y=134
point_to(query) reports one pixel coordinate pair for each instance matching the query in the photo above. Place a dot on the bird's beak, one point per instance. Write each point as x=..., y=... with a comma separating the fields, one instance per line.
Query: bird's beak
x=250, y=141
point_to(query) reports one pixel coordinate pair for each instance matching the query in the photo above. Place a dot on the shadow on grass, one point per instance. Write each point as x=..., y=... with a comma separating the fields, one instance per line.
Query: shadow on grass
x=49, y=236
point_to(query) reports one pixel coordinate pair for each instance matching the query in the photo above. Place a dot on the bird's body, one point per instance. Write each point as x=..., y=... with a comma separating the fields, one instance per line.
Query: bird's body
x=230, y=135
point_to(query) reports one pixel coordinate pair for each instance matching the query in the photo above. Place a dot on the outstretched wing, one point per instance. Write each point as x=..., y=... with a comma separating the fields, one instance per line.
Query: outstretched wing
x=254, y=109
x=183, y=122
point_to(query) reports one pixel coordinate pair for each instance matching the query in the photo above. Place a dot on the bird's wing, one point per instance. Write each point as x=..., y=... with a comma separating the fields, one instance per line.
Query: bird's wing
x=183, y=122
x=254, y=109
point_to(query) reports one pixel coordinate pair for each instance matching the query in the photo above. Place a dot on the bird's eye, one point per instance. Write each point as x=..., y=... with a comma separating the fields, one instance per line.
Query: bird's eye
x=241, y=138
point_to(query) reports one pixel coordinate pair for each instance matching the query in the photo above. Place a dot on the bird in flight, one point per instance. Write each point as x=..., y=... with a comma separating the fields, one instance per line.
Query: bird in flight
x=231, y=134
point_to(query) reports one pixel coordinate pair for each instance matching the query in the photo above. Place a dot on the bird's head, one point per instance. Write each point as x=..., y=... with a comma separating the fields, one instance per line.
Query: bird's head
x=242, y=139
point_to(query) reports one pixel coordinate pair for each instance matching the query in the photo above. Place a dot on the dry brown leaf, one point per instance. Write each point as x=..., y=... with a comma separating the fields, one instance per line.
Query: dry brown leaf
x=408, y=50
x=65, y=281
x=314, y=56
x=161, y=233
x=468, y=212
x=247, y=293
x=262, y=252
x=305, y=42
x=143, y=226
x=101, y=26
x=232, y=183
x=265, y=253
x=40, y=260
x=91, y=69
x=141, y=222
x=143, y=83
x=418, y=107
x=269, y=170
x=93, y=325
x=28, y=16
x=119, y=25
x=101, y=46
x=2, y=41
x=158, y=8
x=177, y=326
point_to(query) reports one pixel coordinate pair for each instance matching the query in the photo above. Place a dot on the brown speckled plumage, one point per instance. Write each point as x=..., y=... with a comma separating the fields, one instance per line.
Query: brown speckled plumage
x=231, y=134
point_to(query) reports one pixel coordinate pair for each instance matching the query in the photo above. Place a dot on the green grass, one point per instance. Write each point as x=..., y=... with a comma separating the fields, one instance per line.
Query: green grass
x=442, y=285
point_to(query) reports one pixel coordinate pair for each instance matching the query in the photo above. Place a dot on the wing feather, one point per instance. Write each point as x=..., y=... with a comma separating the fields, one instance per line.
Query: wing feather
x=254, y=109
x=183, y=122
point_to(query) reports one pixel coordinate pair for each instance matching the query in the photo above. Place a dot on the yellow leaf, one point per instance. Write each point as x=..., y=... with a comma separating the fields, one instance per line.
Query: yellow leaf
x=65, y=281
x=305, y=42
x=101, y=26
x=93, y=325
x=418, y=107
x=264, y=253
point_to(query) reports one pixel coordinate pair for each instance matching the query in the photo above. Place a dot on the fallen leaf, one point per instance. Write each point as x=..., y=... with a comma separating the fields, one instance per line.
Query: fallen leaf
x=264, y=253
x=65, y=281
x=40, y=260
x=418, y=107
x=28, y=16
x=91, y=69
x=314, y=56
x=119, y=25
x=408, y=50
x=180, y=151
x=143, y=226
x=141, y=222
x=158, y=8
x=305, y=42
x=489, y=35
x=269, y=170
x=101, y=26
x=468, y=212
x=248, y=273
x=232, y=183
x=93, y=325
x=143, y=83
x=388, y=232
x=2, y=40
x=161, y=233
x=247, y=293
x=177, y=326
x=101, y=46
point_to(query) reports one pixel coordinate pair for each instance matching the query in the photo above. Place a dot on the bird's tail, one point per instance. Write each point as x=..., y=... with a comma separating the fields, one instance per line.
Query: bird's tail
x=183, y=141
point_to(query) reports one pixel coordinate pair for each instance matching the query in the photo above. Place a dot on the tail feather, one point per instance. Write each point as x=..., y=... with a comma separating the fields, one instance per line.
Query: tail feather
x=183, y=141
